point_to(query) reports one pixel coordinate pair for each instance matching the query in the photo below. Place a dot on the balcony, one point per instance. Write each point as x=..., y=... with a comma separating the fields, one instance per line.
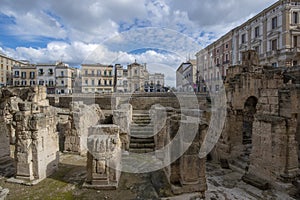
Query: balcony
x=273, y=53
x=23, y=77
x=226, y=62
x=16, y=76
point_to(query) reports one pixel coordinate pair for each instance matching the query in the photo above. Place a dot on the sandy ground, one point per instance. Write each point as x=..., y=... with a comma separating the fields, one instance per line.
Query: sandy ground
x=67, y=182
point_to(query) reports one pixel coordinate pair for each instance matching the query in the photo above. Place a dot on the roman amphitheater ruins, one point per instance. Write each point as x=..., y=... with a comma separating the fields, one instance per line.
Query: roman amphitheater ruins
x=260, y=138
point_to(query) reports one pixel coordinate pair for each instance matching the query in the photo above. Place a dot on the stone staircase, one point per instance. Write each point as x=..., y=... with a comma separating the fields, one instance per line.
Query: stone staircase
x=141, y=133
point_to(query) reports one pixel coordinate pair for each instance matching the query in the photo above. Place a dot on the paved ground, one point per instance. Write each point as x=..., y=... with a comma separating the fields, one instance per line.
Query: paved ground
x=66, y=184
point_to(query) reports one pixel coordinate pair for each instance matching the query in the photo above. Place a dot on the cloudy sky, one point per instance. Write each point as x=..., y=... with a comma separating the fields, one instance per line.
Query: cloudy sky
x=161, y=33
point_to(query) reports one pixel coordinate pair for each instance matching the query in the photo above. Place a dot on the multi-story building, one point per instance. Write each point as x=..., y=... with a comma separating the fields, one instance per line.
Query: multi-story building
x=24, y=74
x=64, y=79
x=6, y=73
x=137, y=75
x=212, y=63
x=46, y=76
x=273, y=33
x=155, y=83
x=76, y=80
x=186, y=76
x=121, y=83
x=97, y=78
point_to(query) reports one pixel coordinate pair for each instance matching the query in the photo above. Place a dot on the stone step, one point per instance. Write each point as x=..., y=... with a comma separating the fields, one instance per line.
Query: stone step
x=144, y=121
x=141, y=146
x=141, y=140
x=141, y=128
x=144, y=150
x=240, y=163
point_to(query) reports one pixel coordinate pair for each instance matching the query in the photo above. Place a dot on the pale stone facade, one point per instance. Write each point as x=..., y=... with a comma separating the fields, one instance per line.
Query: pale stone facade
x=97, y=78
x=6, y=73
x=121, y=82
x=64, y=79
x=272, y=33
x=137, y=75
x=46, y=76
x=24, y=75
x=186, y=77
x=155, y=83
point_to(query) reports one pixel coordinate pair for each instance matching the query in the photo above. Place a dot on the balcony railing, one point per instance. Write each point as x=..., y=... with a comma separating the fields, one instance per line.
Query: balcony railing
x=273, y=53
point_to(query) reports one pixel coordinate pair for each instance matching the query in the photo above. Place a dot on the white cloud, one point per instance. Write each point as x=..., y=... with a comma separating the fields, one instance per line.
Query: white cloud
x=107, y=31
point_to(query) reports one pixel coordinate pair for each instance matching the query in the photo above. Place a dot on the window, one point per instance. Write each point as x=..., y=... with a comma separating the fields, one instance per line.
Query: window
x=226, y=46
x=41, y=71
x=50, y=71
x=32, y=75
x=256, y=32
x=105, y=73
x=295, y=18
x=110, y=82
x=86, y=72
x=62, y=73
x=41, y=82
x=295, y=43
x=135, y=71
x=274, y=64
x=93, y=72
x=16, y=74
x=105, y=82
x=274, y=22
x=51, y=83
x=62, y=82
x=86, y=82
x=243, y=38
x=274, y=44
x=99, y=82
x=23, y=74
x=217, y=88
x=98, y=72
x=226, y=58
x=93, y=82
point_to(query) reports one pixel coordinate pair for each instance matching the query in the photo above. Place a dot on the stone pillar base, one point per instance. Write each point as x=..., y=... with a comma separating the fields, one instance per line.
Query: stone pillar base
x=201, y=188
x=111, y=186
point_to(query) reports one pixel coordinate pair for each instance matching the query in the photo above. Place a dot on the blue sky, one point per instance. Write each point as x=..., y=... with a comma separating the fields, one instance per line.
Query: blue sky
x=157, y=32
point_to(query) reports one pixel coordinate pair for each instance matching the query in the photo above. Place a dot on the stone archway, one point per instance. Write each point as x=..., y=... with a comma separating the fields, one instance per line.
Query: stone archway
x=248, y=118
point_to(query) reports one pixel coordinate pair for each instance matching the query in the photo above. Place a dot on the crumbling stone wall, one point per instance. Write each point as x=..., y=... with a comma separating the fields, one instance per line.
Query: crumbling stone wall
x=31, y=126
x=74, y=130
x=174, y=134
x=123, y=118
x=274, y=149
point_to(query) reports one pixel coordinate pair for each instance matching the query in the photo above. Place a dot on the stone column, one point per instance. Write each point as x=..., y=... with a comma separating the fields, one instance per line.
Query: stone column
x=36, y=151
x=104, y=157
x=123, y=118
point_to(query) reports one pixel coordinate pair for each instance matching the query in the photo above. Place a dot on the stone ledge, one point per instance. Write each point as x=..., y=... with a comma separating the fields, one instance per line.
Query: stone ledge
x=255, y=181
x=23, y=182
x=111, y=186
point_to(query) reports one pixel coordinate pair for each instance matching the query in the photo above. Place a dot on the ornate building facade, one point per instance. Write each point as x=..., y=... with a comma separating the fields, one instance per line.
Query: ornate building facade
x=273, y=33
